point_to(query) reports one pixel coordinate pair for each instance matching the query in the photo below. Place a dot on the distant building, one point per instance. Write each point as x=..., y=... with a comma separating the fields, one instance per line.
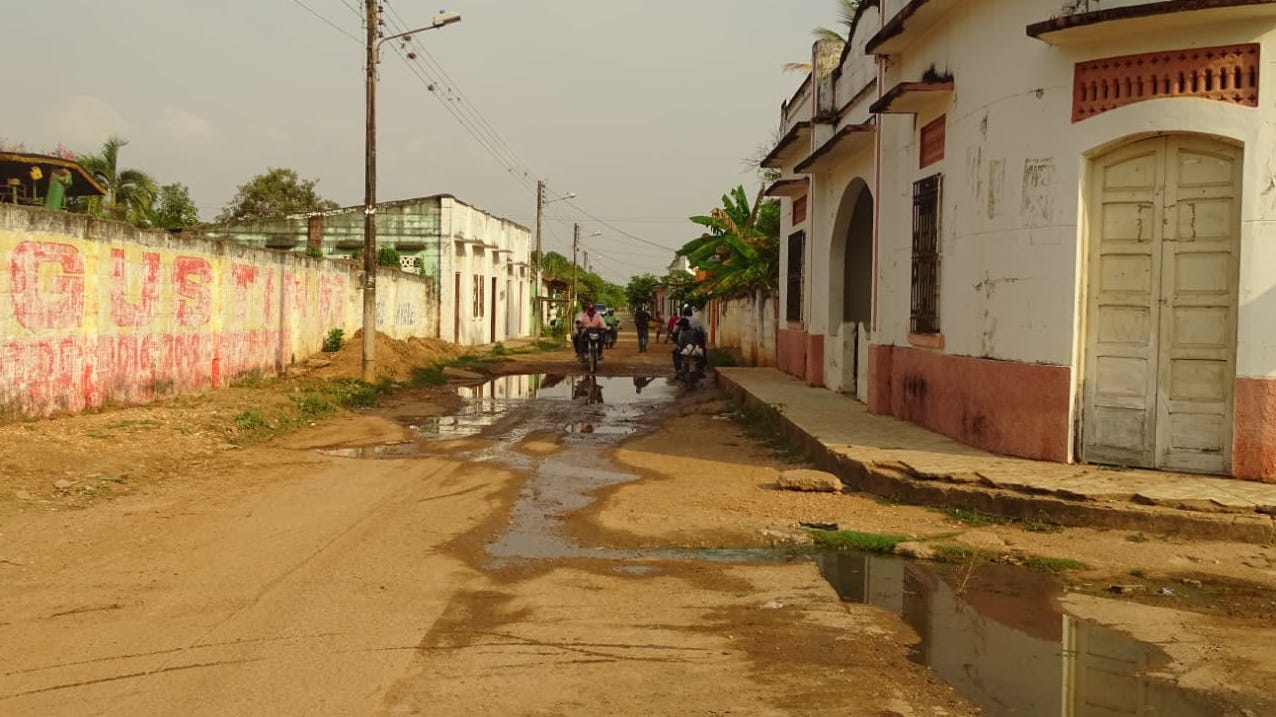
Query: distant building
x=481, y=264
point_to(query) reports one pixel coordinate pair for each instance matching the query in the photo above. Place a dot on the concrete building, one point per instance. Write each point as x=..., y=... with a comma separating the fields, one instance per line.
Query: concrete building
x=1042, y=228
x=480, y=264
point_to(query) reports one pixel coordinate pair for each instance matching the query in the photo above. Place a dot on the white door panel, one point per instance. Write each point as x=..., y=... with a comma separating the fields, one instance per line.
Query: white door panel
x=1161, y=326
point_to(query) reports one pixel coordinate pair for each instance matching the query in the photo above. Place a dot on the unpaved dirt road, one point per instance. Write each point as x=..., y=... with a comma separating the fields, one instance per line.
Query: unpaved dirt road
x=547, y=557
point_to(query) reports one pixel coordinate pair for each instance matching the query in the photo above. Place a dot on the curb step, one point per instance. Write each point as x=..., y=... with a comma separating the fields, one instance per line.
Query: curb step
x=897, y=480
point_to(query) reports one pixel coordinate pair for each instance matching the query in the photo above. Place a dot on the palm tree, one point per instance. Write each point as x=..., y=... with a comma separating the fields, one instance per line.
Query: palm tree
x=741, y=251
x=129, y=192
x=846, y=10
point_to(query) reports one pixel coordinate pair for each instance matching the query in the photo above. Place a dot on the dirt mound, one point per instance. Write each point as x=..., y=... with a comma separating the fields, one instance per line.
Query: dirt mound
x=395, y=358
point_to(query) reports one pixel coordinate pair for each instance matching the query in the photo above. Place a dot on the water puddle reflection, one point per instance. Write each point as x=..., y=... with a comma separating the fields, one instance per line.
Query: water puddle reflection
x=1004, y=644
x=998, y=637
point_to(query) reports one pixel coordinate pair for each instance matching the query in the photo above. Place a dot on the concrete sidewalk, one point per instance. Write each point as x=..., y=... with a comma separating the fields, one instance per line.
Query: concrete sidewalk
x=896, y=459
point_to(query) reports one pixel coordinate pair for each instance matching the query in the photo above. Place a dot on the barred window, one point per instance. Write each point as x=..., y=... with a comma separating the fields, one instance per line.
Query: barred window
x=479, y=291
x=797, y=252
x=927, y=194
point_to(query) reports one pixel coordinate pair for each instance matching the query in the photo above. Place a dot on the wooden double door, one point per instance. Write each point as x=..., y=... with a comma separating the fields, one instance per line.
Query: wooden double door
x=1160, y=359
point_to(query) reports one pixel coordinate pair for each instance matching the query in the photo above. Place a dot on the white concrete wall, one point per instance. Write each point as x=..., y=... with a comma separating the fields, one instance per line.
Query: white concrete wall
x=748, y=325
x=1014, y=177
x=475, y=243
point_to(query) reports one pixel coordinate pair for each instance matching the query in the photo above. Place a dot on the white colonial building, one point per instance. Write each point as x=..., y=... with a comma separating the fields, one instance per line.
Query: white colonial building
x=485, y=275
x=1043, y=227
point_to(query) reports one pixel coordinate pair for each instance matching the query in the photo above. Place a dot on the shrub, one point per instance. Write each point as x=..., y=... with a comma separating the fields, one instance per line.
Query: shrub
x=388, y=256
x=333, y=342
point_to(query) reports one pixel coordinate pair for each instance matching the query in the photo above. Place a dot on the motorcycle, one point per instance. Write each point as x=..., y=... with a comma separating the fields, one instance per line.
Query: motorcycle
x=613, y=333
x=692, y=370
x=593, y=349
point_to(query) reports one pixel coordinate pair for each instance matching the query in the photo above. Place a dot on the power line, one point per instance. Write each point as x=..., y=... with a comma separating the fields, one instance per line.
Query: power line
x=618, y=230
x=330, y=23
x=446, y=89
x=431, y=73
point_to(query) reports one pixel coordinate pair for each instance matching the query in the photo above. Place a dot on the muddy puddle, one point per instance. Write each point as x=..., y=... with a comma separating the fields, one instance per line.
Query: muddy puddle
x=997, y=635
x=999, y=638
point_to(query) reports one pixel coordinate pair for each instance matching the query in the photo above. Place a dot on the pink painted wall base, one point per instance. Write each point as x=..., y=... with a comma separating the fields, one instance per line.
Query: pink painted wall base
x=1254, y=435
x=1006, y=407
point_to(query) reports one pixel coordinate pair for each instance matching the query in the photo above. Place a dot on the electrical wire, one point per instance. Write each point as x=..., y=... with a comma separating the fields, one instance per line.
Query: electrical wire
x=330, y=23
x=618, y=230
x=431, y=73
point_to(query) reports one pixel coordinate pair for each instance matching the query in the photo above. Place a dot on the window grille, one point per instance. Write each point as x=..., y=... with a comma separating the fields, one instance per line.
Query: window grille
x=924, y=315
x=797, y=254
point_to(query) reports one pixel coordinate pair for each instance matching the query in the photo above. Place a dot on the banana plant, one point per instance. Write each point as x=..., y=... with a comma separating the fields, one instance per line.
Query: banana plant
x=740, y=252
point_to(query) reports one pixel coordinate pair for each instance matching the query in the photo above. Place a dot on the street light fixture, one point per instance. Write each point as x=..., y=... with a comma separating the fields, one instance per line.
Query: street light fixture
x=370, y=178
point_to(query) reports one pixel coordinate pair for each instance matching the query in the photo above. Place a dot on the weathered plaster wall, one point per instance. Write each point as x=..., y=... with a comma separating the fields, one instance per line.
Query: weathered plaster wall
x=1014, y=205
x=1007, y=407
x=1253, y=448
x=747, y=325
x=479, y=245
x=94, y=312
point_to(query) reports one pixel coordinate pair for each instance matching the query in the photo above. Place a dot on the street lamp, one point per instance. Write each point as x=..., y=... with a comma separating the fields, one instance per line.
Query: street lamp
x=370, y=179
x=540, y=258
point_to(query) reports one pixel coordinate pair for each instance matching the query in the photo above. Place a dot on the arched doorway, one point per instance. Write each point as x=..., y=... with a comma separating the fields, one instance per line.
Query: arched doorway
x=1161, y=303
x=851, y=287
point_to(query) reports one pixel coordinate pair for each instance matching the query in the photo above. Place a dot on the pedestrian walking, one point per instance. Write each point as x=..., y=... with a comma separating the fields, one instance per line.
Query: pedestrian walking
x=642, y=324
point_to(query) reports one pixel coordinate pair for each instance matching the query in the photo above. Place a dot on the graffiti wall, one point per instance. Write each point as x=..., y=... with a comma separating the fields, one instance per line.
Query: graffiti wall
x=93, y=312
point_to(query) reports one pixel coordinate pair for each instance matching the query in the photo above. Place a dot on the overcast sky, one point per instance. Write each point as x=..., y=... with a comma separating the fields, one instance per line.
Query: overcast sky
x=645, y=109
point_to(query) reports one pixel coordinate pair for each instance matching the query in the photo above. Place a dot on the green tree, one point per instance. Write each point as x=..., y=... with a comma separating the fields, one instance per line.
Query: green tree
x=740, y=252
x=130, y=193
x=641, y=289
x=174, y=209
x=678, y=286
x=277, y=193
x=556, y=266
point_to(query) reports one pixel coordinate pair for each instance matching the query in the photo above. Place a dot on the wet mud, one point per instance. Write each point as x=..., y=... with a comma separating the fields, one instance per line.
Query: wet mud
x=999, y=636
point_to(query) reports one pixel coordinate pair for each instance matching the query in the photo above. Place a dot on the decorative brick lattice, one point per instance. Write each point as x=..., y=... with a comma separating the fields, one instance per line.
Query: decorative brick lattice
x=1225, y=74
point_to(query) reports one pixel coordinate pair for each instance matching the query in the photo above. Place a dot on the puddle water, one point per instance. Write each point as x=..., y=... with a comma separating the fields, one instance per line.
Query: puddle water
x=1001, y=640
x=1005, y=646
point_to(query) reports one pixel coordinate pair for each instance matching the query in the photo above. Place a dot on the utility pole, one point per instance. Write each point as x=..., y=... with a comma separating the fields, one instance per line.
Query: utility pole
x=575, y=249
x=540, y=258
x=370, y=204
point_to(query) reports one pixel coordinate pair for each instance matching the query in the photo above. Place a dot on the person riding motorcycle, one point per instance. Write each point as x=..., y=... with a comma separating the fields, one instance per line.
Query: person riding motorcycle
x=687, y=332
x=613, y=326
x=587, y=319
